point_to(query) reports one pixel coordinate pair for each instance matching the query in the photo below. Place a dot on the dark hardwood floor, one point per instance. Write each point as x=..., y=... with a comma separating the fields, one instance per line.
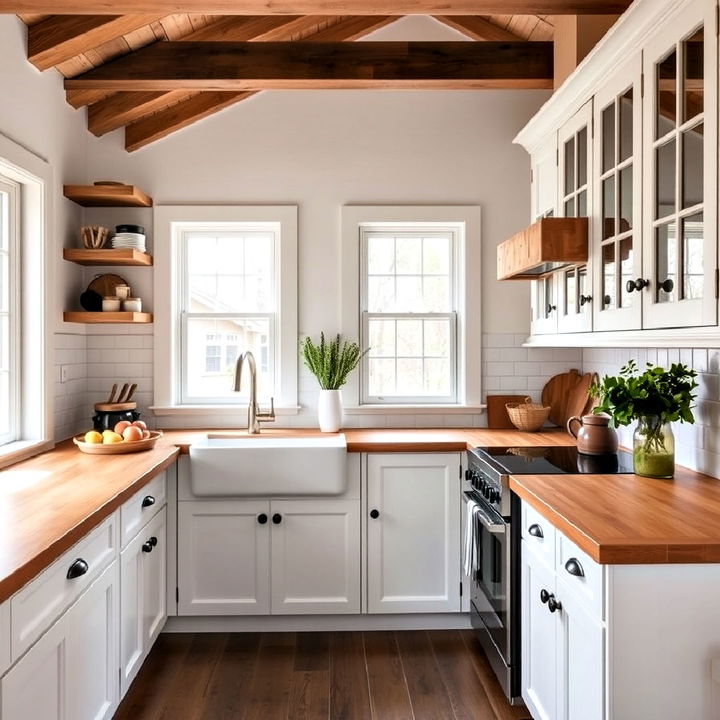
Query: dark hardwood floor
x=413, y=675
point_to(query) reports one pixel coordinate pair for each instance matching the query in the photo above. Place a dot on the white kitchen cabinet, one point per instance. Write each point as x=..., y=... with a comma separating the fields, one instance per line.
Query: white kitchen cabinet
x=315, y=557
x=617, y=222
x=413, y=532
x=574, y=294
x=143, y=606
x=539, y=637
x=224, y=557
x=680, y=64
x=71, y=672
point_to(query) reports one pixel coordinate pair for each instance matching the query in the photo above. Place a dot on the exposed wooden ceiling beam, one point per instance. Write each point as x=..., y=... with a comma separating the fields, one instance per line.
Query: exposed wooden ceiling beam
x=176, y=117
x=318, y=7
x=478, y=28
x=368, y=65
x=59, y=38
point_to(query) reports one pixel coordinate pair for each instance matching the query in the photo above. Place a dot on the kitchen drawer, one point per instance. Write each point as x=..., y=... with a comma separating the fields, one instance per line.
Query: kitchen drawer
x=141, y=508
x=44, y=599
x=539, y=533
x=582, y=575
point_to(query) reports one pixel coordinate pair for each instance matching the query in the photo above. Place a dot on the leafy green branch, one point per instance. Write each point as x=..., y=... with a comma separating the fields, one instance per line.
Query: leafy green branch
x=331, y=362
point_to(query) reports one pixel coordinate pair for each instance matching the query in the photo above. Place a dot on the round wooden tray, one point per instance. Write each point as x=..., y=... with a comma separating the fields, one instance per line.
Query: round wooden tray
x=117, y=448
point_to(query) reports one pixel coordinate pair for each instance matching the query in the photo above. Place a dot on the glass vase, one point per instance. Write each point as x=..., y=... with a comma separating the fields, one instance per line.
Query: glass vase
x=653, y=448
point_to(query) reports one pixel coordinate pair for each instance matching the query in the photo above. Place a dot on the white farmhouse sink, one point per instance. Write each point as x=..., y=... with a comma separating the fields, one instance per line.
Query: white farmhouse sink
x=268, y=465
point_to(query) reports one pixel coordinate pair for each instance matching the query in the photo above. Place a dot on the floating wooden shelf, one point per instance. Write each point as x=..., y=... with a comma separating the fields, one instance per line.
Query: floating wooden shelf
x=107, y=195
x=111, y=256
x=107, y=317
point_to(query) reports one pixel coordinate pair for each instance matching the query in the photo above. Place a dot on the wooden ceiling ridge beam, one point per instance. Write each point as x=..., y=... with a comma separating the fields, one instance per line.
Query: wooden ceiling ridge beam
x=318, y=7
x=478, y=28
x=59, y=38
x=123, y=108
x=281, y=65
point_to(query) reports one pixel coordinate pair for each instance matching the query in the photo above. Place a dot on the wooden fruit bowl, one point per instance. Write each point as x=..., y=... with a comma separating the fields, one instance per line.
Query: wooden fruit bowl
x=117, y=448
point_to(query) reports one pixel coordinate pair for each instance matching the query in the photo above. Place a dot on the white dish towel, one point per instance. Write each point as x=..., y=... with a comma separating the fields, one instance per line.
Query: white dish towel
x=470, y=545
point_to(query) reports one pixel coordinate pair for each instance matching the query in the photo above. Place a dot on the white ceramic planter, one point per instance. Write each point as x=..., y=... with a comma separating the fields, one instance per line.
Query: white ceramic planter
x=330, y=410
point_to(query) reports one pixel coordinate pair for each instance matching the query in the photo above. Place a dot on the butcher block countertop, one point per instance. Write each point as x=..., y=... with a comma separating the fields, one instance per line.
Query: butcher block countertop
x=51, y=501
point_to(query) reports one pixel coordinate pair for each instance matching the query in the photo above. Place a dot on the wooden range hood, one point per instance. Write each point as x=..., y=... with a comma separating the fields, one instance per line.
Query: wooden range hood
x=545, y=246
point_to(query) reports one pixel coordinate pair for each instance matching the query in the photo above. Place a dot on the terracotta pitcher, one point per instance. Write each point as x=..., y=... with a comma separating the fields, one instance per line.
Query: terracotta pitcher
x=594, y=436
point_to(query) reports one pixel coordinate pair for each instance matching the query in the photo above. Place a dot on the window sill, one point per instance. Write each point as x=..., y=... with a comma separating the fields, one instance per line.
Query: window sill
x=20, y=450
x=235, y=409
x=414, y=410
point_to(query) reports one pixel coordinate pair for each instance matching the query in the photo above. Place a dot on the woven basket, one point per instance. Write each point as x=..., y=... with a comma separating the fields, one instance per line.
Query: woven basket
x=527, y=416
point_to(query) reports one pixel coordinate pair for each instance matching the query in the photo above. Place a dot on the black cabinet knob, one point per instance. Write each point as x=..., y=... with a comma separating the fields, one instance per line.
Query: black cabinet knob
x=629, y=287
x=262, y=518
x=554, y=604
x=277, y=519
x=544, y=596
x=148, y=500
x=551, y=308
x=153, y=541
x=585, y=299
x=147, y=547
x=536, y=531
x=667, y=285
x=78, y=568
x=374, y=514
x=574, y=567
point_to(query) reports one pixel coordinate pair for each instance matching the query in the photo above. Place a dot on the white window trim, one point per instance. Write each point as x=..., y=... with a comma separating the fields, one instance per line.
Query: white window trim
x=167, y=278
x=37, y=351
x=468, y=295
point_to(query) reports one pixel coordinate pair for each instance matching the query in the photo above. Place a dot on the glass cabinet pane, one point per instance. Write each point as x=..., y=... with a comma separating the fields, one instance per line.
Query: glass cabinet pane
x=608, y=276
x=583, y=289
x=693, y=75
x=665, y=179
x=692, y=257
x=569, y=165
x=626, y=271
x=570, y=207
x=692, y=166
x=570, y=293
x=666, y=97
x=582, y=209
x=608, y=211
x=666, y=258
x=582, y=167
x=626, y=125
x=608, y=138
x=625, y=191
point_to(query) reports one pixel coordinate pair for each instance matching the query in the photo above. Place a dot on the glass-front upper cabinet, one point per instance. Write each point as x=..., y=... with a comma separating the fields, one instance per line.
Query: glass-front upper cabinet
x=543, y=292
x=575, y=297
x=680, y=159
x=617, y=221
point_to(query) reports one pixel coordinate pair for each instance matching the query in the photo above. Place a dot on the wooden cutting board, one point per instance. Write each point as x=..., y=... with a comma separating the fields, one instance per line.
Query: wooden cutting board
x=567, y=395
x=497, y=415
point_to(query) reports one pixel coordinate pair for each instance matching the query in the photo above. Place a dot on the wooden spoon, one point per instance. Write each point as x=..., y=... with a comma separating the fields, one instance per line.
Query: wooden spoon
x=121, y=396
x=133, y=387
x=112, y=393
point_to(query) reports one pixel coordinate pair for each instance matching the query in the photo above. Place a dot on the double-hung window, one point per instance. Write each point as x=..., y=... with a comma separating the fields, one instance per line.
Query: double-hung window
x=9, y=311
x=409, y=313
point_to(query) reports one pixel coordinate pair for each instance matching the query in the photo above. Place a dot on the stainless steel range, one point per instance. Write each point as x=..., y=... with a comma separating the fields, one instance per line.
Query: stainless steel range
x=492, y=541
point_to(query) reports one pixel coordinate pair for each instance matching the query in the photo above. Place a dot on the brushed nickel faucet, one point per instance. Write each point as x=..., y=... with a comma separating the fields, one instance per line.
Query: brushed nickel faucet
x=255, y=415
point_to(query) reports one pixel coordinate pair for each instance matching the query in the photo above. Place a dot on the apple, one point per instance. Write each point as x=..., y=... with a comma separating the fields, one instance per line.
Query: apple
x=132, y=434
x=120, y=427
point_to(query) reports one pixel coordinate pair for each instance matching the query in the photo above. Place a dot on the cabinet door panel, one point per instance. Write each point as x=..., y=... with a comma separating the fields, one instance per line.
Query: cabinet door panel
x=92, y=675
x=154, y=582
x=223, y=558
x=315, y=556
x=539, y=638
x=414, y=542
x=581, y=661
x=131, y=612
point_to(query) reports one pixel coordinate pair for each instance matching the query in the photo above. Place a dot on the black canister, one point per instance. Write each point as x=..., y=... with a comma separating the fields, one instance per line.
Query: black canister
x=108, y=419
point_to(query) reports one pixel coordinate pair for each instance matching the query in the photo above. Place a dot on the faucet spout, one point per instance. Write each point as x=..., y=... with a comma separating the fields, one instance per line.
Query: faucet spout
x=255, y=416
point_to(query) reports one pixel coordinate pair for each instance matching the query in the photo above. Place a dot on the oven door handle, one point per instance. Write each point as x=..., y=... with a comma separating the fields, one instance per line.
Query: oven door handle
x=489, y=523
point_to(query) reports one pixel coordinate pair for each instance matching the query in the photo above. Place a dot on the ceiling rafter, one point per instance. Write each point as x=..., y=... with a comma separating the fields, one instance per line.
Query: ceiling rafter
x=477, y=28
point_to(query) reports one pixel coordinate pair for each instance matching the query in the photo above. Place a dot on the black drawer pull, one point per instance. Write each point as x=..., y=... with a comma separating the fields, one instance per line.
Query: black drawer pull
x=148, y=500
x=574, y=567
x=536, y=531
x=78, y=568
x=374, y=514
x=147, y=547
x=554, y=604
x=544, y=596
x=277, y=519
x=262, y=518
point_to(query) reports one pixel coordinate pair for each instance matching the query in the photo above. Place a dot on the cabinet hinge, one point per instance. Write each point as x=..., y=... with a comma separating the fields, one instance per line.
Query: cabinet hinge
x=177, y=594
x=642, y=85
x=460, y=589
x=460, y=471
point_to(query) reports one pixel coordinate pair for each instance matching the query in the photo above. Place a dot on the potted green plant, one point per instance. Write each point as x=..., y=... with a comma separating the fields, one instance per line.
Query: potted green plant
x=655, y=398
x=331, y=363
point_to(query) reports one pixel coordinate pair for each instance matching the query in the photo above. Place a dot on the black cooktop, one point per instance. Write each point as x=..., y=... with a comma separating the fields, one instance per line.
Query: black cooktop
x=554, y=460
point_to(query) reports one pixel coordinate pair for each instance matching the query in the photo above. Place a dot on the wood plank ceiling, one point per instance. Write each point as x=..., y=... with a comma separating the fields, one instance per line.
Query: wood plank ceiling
x=84, y=49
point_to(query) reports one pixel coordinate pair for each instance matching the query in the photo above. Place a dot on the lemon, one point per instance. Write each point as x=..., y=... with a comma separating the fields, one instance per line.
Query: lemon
x=111, y=437
x=93, y=437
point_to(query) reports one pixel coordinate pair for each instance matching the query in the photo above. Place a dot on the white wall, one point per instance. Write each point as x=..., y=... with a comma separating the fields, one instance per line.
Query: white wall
x=35, y=115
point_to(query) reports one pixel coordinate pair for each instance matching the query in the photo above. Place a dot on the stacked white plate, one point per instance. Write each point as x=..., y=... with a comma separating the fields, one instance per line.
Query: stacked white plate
x=135, y=241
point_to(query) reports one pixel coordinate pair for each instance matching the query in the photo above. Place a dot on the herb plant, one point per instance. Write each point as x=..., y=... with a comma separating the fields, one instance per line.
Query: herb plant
x=331, y=362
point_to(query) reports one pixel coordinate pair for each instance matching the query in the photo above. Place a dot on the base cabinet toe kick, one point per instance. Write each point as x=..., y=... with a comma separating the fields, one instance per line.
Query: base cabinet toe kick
x=615, y=642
